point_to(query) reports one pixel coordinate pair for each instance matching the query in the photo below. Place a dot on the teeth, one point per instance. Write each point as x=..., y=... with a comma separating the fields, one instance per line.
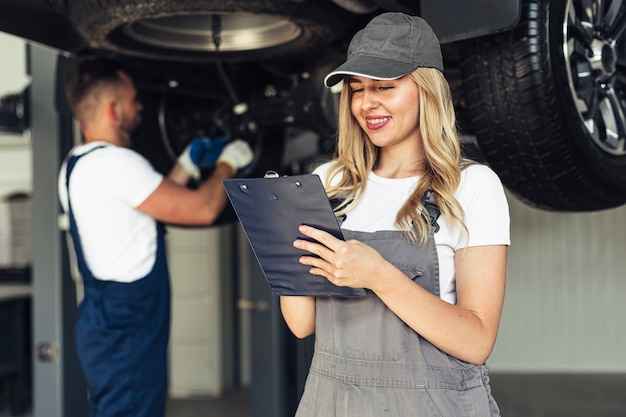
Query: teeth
x=377, y=121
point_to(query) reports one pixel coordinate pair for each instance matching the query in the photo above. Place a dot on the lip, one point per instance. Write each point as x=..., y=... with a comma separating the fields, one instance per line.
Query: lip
x=377, y=122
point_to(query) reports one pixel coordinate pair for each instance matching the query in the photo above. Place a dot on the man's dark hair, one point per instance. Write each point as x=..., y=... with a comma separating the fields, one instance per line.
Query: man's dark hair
x=87, y=77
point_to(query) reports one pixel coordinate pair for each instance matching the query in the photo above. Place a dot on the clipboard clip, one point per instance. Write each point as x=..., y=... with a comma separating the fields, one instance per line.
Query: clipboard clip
x=274, y=174
x=268, y=174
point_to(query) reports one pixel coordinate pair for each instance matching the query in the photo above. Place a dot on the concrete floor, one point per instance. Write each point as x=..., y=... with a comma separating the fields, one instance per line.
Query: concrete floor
x=518, y=395
x=235, y=403
x=560, y=395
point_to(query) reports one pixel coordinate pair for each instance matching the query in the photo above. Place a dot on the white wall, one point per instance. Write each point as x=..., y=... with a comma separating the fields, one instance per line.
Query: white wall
x=15, y=162
x=15, y=165
x=201, y=343
x=13, y=77
x=15, y=149
x=564, y=307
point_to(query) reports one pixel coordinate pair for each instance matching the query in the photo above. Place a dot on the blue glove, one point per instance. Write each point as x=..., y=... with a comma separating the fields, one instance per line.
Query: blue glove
x=201, y=153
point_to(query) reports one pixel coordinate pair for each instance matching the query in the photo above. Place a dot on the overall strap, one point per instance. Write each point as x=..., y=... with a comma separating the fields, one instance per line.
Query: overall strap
x=71, y=162
x=82, y=265
x=428, y=201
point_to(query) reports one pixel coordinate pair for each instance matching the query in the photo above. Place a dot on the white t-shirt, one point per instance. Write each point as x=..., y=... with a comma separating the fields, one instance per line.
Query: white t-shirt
x=106, y=186
x=480, y=194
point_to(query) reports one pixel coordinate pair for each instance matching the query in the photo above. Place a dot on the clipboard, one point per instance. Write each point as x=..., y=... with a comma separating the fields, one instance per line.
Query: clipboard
x=270, y=211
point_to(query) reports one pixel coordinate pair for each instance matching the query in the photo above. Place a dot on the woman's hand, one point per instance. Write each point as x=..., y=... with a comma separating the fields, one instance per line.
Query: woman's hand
x=466, y=330
x=344, y=263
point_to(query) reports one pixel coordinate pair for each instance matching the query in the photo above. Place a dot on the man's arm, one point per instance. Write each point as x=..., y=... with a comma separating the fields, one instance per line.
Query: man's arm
x=172, y=202
x=178, y=175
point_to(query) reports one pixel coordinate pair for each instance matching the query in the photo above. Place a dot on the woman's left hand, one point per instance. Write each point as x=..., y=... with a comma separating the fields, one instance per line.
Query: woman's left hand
x=348, y=263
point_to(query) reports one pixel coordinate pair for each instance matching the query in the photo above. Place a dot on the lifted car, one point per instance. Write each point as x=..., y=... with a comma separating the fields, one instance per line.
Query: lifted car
x=539, y=84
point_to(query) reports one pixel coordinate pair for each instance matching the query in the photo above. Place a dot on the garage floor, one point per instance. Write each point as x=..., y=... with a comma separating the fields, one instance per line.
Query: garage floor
x=233, y=404
x=518, y=395
x=565, y=395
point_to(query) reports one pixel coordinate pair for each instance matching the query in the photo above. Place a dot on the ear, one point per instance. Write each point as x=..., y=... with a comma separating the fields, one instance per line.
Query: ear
x=112, y=110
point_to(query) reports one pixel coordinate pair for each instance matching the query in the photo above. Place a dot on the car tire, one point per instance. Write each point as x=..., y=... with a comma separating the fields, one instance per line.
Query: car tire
x=548, y=120
x=108, y=24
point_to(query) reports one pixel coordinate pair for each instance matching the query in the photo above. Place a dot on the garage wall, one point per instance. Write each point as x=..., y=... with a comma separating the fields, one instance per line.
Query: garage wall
x=15, y=149
x=15, y=164
x=566, y=283
x=13, y=71
x=202, y=334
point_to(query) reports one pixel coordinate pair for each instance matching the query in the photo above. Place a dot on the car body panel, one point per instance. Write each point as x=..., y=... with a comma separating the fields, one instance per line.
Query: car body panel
x=461, y=19
x=40, y=22
x=48, y=25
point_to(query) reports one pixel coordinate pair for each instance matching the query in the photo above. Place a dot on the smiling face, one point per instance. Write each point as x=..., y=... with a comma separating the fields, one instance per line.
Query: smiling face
x=387, y=111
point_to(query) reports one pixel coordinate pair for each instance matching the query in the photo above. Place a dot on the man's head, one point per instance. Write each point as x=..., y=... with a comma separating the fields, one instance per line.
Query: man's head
x=100, y=91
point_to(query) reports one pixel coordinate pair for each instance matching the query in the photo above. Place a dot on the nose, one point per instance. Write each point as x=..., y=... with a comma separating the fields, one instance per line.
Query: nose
x=370, y=99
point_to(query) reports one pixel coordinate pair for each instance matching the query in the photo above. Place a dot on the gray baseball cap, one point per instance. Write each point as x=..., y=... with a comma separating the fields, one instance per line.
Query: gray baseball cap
x=391, y=45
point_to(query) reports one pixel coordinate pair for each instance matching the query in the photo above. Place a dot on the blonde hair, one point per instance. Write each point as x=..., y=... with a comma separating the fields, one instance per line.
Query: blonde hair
x=356, y=157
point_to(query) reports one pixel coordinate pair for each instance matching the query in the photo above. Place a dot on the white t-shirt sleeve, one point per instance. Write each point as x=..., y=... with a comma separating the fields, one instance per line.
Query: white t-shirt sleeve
x=131, y=180
x=322, y=171
x=486, y=216
x=486, y=209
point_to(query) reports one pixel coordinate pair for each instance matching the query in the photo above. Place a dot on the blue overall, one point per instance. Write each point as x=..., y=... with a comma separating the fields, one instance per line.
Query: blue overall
x=122, y=332
x=369, y=363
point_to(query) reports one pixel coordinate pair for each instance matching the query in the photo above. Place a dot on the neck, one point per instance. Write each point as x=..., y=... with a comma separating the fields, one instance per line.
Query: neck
x=400, y=166
x=404, y=159
x=114, y=138
x=400, y=171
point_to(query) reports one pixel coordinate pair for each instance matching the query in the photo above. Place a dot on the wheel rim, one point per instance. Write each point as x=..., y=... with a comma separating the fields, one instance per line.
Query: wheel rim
x=233, y=32
x=593, y=46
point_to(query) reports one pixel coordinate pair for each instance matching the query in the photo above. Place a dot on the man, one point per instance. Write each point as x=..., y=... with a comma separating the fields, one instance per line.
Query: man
x=117, y=204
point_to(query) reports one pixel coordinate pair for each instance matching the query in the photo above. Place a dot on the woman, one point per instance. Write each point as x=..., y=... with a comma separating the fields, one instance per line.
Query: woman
x=426, y=235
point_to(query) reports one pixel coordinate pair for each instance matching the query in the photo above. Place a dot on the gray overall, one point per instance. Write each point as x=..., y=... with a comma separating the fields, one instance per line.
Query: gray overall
x=369, y=363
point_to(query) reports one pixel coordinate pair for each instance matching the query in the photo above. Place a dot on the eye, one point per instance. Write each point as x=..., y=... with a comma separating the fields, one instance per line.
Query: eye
x=357, y=90
x=385, y=87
